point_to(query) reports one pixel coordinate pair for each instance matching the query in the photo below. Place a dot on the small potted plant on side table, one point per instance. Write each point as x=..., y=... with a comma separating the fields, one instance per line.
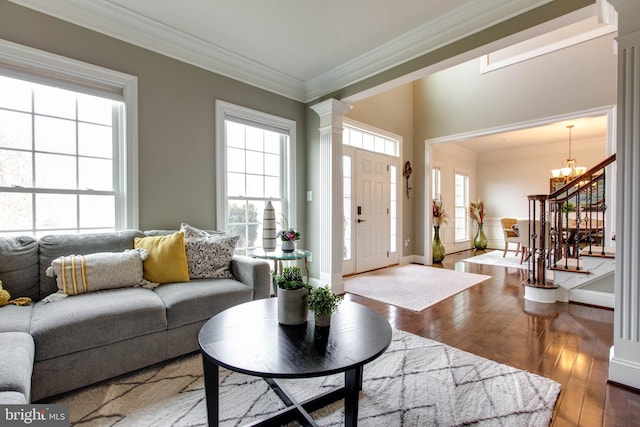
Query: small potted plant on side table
x=323, y=302
x=292, y=297
x=288, y=235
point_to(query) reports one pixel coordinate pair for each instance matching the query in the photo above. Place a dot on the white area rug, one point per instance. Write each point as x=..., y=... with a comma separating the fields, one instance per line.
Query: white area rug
x=411, y=286
x=511, y=260
x=416, y=382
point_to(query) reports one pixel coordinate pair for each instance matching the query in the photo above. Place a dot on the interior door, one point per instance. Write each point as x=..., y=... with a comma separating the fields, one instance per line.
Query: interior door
x=372, y=211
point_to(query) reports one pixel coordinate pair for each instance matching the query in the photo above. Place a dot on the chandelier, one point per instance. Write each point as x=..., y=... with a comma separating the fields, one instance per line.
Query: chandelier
x=569, y=168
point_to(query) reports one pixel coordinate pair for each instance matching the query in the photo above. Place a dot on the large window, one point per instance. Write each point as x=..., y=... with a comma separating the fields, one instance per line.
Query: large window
x=254, y=166
x=461, y=207
x=62, y=149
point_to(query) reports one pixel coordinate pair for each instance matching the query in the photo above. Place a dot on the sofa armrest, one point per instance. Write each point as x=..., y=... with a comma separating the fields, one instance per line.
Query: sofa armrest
x=255, y=273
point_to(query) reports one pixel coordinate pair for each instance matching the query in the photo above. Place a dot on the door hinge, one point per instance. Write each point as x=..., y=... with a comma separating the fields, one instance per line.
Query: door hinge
x=387, y=254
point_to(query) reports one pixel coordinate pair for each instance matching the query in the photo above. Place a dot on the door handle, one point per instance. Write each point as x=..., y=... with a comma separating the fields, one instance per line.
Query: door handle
x=361, y=220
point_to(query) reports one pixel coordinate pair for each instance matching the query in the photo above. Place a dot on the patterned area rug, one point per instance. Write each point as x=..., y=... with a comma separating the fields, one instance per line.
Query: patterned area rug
x=495, y=258
x=416, y=382
x=412, y=286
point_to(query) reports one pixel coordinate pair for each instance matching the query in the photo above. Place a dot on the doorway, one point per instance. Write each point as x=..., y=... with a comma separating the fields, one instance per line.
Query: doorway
x=371, y=210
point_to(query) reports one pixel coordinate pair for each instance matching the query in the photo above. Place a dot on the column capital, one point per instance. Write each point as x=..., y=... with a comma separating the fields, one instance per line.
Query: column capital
x=330, y=110
x=628, y=15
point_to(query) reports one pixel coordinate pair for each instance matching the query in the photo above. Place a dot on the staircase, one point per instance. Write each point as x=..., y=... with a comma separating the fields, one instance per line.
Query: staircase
x=593, y=284
x=568, y=261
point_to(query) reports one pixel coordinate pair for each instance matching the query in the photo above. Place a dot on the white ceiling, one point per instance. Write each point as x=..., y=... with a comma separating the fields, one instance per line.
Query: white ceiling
x=585, y=128
x=302, y=49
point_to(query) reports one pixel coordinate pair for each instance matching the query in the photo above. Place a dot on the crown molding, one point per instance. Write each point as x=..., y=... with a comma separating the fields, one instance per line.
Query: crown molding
x=115, y=21
x=474, y=16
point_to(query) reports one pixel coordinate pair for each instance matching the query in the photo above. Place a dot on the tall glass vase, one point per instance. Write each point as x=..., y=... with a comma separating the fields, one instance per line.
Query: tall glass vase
x=437, y=248
x=480, y=241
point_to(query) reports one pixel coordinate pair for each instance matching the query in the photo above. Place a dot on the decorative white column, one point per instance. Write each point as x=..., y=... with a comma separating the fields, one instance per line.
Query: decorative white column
x=331, y=114
x=624, y=364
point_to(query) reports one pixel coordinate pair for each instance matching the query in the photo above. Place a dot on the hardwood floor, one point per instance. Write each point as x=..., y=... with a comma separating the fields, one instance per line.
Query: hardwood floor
x=568, y=343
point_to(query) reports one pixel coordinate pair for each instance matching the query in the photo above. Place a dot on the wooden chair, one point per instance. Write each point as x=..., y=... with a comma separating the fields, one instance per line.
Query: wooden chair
x=510, y=236
x=523, y=230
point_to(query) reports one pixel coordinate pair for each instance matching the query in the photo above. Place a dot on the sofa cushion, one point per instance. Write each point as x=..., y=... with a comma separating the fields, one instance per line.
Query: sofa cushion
x=210, y=257
x=95, y=319
x=16, y=353
x=19, y=266
x=167, y=260
x=79, y=274
x=12, y=398
x=201, y=299
x=15, y=318
x=54, y=246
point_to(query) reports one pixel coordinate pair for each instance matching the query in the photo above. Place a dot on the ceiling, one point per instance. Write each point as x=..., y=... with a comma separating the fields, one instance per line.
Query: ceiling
x=301, y=49
x=304, y=49
x=585, y=128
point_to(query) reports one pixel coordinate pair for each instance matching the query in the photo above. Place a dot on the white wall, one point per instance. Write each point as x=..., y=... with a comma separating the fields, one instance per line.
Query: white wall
x=451, y=158
x=505, y=179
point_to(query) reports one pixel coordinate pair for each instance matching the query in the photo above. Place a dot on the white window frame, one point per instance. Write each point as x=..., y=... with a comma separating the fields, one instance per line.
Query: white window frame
x=436, y=180
x=224, y=109
x=126, y=164
x=464, y=218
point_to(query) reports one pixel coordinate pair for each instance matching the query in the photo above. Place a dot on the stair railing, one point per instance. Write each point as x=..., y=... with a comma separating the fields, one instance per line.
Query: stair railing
x=565, y=222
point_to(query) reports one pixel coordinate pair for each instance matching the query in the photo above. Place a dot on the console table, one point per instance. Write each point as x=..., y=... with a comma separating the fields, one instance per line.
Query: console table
x=247, y=338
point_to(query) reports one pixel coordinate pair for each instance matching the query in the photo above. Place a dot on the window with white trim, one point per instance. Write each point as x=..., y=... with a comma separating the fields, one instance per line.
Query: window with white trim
x=62, y=147
x=461, y=207
x=347, y=203
x=254, y=154
x=435, y=183
x=369, y=140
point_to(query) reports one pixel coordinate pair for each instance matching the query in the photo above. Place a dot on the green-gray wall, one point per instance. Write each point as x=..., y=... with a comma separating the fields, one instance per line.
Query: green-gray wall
x=176, y=115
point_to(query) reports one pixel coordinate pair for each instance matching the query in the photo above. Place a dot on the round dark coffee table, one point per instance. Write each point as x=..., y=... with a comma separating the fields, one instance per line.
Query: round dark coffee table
x=247, y=338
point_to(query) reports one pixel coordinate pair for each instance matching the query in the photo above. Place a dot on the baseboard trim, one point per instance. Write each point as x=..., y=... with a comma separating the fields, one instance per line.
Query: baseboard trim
x=624, y=372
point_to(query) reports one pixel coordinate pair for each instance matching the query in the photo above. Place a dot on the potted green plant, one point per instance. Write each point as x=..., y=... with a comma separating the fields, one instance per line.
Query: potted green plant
x=292, y=296
x=323, y=302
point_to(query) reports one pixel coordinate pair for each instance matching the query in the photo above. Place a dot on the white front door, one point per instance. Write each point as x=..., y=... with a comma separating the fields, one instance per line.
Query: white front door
x=371, y=220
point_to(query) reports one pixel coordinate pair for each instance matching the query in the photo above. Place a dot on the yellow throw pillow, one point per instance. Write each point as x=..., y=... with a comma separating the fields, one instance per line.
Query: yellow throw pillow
x=167, y=261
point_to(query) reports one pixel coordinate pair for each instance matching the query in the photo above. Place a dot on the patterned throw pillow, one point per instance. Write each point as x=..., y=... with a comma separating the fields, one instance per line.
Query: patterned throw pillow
x=79, y=274
x=210, y=257
x=192, y=232
x=167, y=262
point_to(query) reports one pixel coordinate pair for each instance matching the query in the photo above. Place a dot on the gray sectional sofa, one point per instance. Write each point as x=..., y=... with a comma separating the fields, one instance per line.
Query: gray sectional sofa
x=47, y=348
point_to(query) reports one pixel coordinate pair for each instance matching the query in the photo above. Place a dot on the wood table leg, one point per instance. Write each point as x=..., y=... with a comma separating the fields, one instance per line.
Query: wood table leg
x=211, y=391
x=352, y=385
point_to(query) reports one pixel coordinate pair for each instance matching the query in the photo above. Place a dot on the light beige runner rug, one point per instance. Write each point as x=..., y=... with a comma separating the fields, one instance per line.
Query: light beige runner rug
x=411, y=286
